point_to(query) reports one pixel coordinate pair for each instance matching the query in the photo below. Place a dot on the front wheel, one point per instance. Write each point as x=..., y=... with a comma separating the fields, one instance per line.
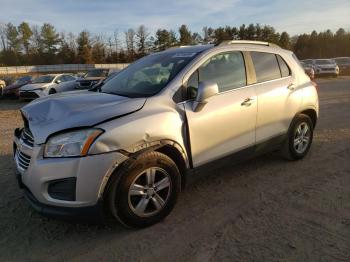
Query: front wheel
x=144, y=191
x=299, y=139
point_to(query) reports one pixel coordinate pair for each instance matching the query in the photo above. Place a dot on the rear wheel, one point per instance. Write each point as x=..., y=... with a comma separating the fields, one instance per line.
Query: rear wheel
x=299, y=138
x=145, y=191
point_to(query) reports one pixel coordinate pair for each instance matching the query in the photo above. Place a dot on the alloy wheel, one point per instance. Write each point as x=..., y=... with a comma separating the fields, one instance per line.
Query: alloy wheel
x=149, y=192
x=302, y=137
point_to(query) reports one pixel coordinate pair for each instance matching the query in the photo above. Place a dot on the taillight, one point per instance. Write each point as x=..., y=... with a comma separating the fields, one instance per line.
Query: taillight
x=315, y=85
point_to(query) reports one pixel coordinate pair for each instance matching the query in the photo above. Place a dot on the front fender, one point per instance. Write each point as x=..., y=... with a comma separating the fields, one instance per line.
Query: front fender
x=140, y=131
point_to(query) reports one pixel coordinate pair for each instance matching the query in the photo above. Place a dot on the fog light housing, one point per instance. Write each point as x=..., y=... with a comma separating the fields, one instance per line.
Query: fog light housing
x=63, y=189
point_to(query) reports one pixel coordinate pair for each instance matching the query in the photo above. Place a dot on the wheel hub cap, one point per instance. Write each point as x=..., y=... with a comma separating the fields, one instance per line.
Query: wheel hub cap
x=149, y=192
x=302, y=137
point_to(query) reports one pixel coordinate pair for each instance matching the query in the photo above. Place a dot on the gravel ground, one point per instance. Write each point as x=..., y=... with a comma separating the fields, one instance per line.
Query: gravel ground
x=266, y=209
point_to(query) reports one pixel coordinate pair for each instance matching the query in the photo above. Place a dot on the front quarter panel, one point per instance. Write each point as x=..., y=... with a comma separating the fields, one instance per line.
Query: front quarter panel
x=140, y=130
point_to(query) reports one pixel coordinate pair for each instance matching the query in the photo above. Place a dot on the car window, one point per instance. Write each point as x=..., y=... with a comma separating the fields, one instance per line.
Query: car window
x=68, y=78
x=43, y=79
x=342, y=60
x=149, y=75
x=324, y=62
x=60, y=78
x=227, y=70
x=266, y=66
x=285, y=71
x=192, y=85
x=97, y=73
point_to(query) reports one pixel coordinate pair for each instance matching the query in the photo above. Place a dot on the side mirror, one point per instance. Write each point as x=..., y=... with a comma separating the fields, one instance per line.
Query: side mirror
x=205, y=90
x=58, y=81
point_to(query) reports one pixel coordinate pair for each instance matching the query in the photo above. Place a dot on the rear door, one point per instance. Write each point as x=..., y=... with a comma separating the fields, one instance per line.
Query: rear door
x=226, y=124
x=278, y=96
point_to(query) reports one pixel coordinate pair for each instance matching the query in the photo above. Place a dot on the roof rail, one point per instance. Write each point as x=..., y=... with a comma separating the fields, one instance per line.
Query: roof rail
x=250, y=42
x=178, y=46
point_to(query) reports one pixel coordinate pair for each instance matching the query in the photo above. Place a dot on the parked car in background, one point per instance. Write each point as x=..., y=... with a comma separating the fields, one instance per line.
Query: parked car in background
x=128, y=147
x=324, y=67
x=13, y=89
x=309, y=70
x=2, y=87
x=92, y=77
x=74, y=85
x=42, y=85
x=343, y=64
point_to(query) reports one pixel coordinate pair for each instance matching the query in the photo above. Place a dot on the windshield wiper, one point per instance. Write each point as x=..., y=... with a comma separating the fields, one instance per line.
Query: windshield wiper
x=117, y=94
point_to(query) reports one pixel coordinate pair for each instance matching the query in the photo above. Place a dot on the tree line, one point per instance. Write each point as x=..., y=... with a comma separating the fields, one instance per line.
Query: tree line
x=26, y=44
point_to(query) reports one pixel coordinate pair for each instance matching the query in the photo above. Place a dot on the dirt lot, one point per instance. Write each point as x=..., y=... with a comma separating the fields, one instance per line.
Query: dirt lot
x=263, y=210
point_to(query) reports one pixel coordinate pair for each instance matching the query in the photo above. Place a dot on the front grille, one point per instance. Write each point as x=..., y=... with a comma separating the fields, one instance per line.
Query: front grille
x=22, y=160
x=28, y=95
x=23, y=151
x=27, y=137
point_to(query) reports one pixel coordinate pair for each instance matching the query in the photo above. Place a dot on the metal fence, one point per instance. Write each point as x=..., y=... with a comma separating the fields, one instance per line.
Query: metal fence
x=12, y=70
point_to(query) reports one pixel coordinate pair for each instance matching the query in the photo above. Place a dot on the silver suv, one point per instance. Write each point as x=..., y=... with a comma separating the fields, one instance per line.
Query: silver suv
x=128, y=146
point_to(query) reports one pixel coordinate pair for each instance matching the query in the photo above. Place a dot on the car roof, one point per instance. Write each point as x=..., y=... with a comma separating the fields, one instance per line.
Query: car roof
x=230, y=44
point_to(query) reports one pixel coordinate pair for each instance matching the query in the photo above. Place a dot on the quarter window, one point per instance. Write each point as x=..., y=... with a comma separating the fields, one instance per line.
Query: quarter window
x=266, y=66
x=283, y=66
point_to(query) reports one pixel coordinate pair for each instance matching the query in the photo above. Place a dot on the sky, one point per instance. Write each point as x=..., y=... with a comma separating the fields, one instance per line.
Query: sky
x=106, y=16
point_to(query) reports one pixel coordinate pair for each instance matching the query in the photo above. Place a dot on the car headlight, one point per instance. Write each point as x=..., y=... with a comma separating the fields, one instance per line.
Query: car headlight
x=74, y=143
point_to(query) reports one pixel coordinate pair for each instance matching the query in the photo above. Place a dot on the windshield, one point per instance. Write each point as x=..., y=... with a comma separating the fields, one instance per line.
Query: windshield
x=22, y=80
x=96, y=73
x=43, y=79
x=343, y=60
x=308, y=62
x=324, y=62
x=148, y=76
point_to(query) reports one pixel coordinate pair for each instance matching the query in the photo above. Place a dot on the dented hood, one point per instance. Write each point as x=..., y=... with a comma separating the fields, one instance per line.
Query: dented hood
x=75, y=109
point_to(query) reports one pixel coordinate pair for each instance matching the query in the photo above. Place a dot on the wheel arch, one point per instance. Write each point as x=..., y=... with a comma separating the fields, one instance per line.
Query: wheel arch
x=167, y=147
x=312, y=114
x=52, y=91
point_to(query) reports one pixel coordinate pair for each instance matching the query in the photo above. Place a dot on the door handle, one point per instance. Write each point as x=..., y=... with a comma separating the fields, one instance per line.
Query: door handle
x=247, y=102
x=291, y=86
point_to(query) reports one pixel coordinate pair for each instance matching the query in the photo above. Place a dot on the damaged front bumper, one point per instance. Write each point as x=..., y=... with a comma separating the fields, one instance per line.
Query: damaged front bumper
x=62, y=186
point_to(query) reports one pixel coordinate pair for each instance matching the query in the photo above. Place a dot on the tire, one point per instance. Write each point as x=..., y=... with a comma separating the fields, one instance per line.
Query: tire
x=291, y=149
x=126, y=205
x=52, y=91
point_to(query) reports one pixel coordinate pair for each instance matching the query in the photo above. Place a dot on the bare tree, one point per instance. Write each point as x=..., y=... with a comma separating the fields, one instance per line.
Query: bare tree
x=3, y=36
x=130, y=43
x=116, y=40
x=142, y=35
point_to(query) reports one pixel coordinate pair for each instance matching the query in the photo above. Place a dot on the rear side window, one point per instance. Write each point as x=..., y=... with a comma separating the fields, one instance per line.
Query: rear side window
x=266, y=66
x=285, y=71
